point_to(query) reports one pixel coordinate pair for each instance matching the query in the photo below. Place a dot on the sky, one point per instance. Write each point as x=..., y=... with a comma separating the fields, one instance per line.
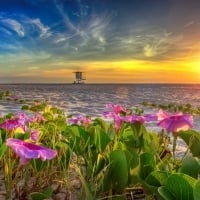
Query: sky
x=111, y=41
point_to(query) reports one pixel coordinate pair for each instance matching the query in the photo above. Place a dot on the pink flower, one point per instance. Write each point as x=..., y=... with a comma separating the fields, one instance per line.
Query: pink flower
x=80, y=120
x=34, y=135
x=27, y=151
x=162, y=115
x=150, y=117
x=119, y=115
x=18, y=121
x=37, y=118
x=85, y=121
x=12, y=124
x=134, y=118
x=22, y=118
x=175, y=123
x=117, y=109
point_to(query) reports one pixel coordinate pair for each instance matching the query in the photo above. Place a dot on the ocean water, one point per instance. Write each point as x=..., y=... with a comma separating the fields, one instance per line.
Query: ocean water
x=90, y=99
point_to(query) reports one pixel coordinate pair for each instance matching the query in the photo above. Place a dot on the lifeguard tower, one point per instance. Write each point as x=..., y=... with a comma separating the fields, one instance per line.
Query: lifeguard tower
x=79, y=78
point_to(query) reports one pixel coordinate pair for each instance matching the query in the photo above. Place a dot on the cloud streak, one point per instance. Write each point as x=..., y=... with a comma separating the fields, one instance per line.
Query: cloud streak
x=13, y=25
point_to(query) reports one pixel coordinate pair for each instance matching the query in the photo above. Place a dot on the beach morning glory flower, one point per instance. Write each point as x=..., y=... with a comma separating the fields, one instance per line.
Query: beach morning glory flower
x=117, y=109
x=27, y=151
x=85, y=121
x=116, y=117
x=176, y=122
x=133, y=119
x=37, y=118
x=34, y=135
x=12, y=124
x=80, y=120
x=119, y=115
x=22, y=118
x=18, y=121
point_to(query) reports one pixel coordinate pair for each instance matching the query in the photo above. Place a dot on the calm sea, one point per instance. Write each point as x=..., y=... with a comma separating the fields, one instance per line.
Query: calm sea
x=90, y=99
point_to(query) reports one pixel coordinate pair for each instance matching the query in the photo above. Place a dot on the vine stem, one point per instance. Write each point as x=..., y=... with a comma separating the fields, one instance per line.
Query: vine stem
x=174, y=147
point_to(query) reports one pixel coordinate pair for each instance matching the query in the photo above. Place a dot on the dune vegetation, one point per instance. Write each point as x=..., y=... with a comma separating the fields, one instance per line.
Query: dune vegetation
x=46, y=154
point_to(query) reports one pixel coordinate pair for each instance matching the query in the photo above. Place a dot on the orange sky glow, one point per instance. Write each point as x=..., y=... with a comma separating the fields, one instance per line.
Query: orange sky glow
x=126, y=41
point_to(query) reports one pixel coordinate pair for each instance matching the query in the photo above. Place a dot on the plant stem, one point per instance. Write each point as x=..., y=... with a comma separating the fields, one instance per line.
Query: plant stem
x=174, y=148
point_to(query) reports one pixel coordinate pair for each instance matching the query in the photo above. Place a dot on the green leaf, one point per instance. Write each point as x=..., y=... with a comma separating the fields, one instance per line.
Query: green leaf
x=192, y=139
x=101, y=139
x=197, y=190
x=102, y=123
x=48, y=191
x=118, y=170
x=100, y=164
x=20, y=135
x=166, y=194
x=138, y=128
x=157, y=178
x=38, y=196
x=140, y=135
x=3, y=135
x=46, y=194
x=3, y=149
x=38, y=164
x=147, y=165
x=25, y=107
x=190, y=166
x=129, y=139
x=181, y=186
x=106, y=182
x=133, y=166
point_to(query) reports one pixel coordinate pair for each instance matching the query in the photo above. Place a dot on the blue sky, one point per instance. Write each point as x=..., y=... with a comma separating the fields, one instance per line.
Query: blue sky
x=46, y=40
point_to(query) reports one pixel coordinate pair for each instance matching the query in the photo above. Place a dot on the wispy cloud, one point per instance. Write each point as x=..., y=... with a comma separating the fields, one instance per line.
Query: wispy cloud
x=89, y=30
x=13, y=25
x=44, y=31
x=5, y=31
x=91, y=36
x=188, y=24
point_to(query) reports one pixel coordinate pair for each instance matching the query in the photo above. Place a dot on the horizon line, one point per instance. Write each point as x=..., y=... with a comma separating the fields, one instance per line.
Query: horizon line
x=90, y=83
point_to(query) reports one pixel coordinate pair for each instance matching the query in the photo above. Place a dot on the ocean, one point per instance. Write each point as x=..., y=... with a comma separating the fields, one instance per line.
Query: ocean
x=90, y=99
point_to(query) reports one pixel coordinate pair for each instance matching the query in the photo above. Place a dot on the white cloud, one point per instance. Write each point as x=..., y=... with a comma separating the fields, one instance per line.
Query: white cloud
x=87, y=31
x=188, y=24
x=97, y=28
x=44, y=30
x=14, y=25
x=61, y=39
x=149, y=51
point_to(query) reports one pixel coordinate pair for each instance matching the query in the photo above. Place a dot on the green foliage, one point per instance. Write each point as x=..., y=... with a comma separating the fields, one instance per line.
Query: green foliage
x=25, y=107
x=99, y=138
x=178, y=186
x=45, y=194
x=147, y=164
x=190, y=166
x=197, y=190
x=118, y=170
x=3, y=149
x=192, y=139
x=106, y=161
x=157, y=178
